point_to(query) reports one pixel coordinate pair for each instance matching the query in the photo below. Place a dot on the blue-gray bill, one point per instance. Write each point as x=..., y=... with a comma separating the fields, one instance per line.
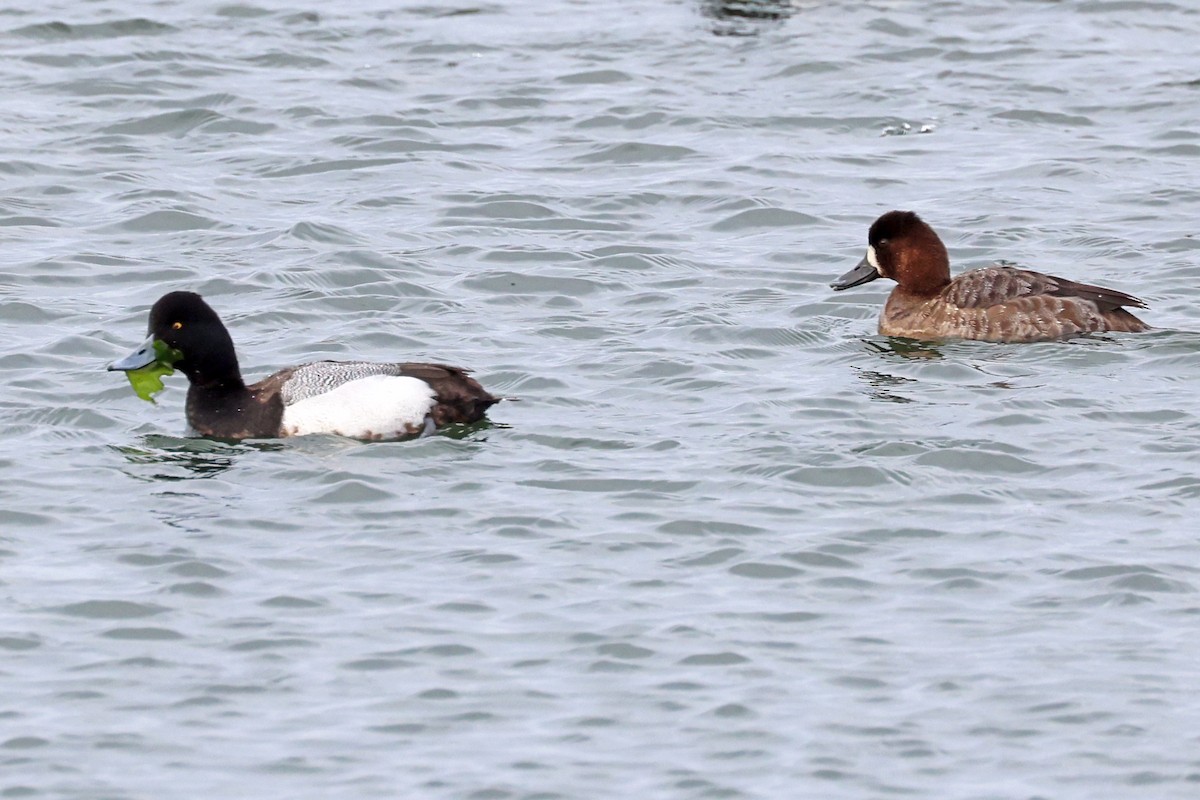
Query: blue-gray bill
x=144, y=356
x=863, y=273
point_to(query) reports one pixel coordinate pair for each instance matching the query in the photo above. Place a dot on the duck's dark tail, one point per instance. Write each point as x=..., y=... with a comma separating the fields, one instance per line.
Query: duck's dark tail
x=1119, y=320
x=460, y=398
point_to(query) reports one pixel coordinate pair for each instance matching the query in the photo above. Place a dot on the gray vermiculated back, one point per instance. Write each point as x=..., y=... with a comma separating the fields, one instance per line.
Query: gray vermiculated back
x=318, y=377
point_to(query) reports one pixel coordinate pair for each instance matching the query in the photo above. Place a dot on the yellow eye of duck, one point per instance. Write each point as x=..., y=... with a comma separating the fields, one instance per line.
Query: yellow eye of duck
x=176, y=326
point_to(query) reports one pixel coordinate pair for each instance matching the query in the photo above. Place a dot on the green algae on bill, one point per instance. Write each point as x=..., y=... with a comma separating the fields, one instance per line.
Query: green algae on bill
x=147, y=381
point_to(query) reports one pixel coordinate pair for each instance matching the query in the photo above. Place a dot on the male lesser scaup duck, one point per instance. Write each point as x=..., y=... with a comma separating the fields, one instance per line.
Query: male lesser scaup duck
x=995, y=304
x=357, y=399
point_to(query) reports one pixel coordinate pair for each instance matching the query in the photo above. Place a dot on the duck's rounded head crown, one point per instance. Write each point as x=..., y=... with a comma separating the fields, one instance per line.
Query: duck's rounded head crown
x=901, y=246
x=184, y=322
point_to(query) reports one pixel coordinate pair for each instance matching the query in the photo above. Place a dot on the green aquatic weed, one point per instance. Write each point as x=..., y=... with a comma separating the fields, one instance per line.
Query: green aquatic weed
x=147, y=381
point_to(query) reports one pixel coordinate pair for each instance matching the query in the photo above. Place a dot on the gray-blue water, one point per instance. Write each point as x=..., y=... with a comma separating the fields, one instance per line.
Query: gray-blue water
x=730, y=543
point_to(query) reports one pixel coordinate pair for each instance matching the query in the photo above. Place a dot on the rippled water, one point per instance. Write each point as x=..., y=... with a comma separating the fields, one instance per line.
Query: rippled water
x=730, y=542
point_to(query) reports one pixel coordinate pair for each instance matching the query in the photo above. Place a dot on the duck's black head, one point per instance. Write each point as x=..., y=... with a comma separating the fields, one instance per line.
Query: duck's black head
x=182, y=321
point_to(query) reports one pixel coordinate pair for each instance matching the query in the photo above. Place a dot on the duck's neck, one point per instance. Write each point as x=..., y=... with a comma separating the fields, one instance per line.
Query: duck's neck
x=218, y=408
x=218, y=374
x=924, y=268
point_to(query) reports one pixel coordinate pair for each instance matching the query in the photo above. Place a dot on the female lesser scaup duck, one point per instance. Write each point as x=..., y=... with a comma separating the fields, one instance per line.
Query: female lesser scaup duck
x=995, y=304
x=357, y=399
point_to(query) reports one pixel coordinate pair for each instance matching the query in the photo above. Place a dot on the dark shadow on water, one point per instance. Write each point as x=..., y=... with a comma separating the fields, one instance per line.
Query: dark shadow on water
x=881, y=385
x=745, y=17
x=459, y=432
x=186, y=458
x=905, y=348
x=769, y=10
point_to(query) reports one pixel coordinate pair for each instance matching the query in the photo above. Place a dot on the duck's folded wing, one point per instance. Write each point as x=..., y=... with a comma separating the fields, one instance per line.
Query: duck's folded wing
x=1105, y=299
x=460, y=398
x=431, y=373
x=309, y=380
x=991, y=286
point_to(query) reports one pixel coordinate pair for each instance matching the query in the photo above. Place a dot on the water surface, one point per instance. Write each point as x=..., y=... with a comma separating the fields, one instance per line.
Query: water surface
x=730, y=543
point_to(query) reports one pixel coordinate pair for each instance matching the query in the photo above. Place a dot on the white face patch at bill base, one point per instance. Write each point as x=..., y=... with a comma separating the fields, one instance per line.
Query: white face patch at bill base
x=872, y=258
x=377, y=405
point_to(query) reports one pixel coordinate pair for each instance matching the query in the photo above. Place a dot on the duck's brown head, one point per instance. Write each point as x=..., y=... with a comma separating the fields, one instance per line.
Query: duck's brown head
x=902, y=247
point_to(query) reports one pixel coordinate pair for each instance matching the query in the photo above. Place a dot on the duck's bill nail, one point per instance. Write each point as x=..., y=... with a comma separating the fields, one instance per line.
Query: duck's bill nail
x=863, y=273
x=144, y=356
